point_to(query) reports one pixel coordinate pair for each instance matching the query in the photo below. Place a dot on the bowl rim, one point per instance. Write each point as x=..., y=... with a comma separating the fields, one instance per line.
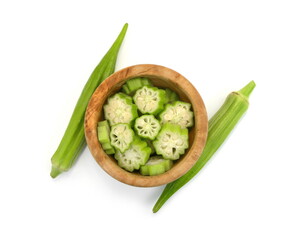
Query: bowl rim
x=116, y=80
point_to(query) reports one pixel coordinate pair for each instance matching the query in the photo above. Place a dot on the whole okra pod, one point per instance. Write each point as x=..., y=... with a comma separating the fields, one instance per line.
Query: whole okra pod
x=73, y=140
x=220, y=126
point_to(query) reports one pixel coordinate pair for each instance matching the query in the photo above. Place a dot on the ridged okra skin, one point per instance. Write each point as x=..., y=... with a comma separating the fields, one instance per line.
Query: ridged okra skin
x=73, y=140
x=171, y=96
x=220, y=126
x=103, y=135
x=134, y=84
x=156, y=165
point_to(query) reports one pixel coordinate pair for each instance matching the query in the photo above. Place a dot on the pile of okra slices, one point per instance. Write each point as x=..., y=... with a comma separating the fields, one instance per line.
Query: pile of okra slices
x=146, y=128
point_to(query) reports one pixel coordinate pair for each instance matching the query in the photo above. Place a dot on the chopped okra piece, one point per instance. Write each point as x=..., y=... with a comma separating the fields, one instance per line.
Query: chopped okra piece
x=125, y=89
x=110, y=151
x=150, y=144
x=156, y=165
x=150, y=100
x=171, y=141
x=120, y=109
x=134, y=84
x=103, y=133
x=121, y=136
x=146, y=82
x=106, y=146
x=171, y=96
x=178, y=113
x=135, y=156
x=147, y=126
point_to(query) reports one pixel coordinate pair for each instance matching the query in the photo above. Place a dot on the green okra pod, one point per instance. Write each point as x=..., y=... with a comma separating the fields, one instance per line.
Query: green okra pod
x=73, y=140
x=220, y=126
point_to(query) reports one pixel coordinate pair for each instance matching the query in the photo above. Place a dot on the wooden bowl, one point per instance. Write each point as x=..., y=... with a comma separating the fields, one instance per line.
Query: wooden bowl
x=160, y=77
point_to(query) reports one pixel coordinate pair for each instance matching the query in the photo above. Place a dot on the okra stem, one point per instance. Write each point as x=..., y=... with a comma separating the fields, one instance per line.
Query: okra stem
x=73, y=140
x=247, y=90
x=220, y=126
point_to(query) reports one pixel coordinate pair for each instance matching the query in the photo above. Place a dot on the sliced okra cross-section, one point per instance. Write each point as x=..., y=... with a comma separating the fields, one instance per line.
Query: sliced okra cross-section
x=172, y=141
x=179, y=113
x=150, y=100
x=121, y=136
x=120, y=109
x=147, y=126
x=135, y=156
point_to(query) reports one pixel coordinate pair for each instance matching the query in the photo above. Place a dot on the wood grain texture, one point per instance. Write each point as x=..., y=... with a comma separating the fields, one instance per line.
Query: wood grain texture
x=161, y=77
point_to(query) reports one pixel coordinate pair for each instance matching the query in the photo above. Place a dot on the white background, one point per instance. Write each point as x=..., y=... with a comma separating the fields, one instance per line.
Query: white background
x=251, y=187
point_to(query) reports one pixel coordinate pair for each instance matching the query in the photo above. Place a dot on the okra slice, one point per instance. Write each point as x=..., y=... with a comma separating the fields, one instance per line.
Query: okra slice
x=171, y=96
x=120, y=109
x=135, y=156
x=133, y=84
x=150, y=100
x=136, y=83
x=110, y=151
x=178, y=113
x=103, y=133
x=121, y=136
x=171, y=141
x=146, y=82
x=150, y=144
x=107, y=146
x=125, y=89
x=156, y=165
x=147, y=126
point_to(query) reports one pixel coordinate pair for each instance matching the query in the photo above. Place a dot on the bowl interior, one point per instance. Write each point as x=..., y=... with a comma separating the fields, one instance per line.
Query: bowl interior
x=161, y=77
